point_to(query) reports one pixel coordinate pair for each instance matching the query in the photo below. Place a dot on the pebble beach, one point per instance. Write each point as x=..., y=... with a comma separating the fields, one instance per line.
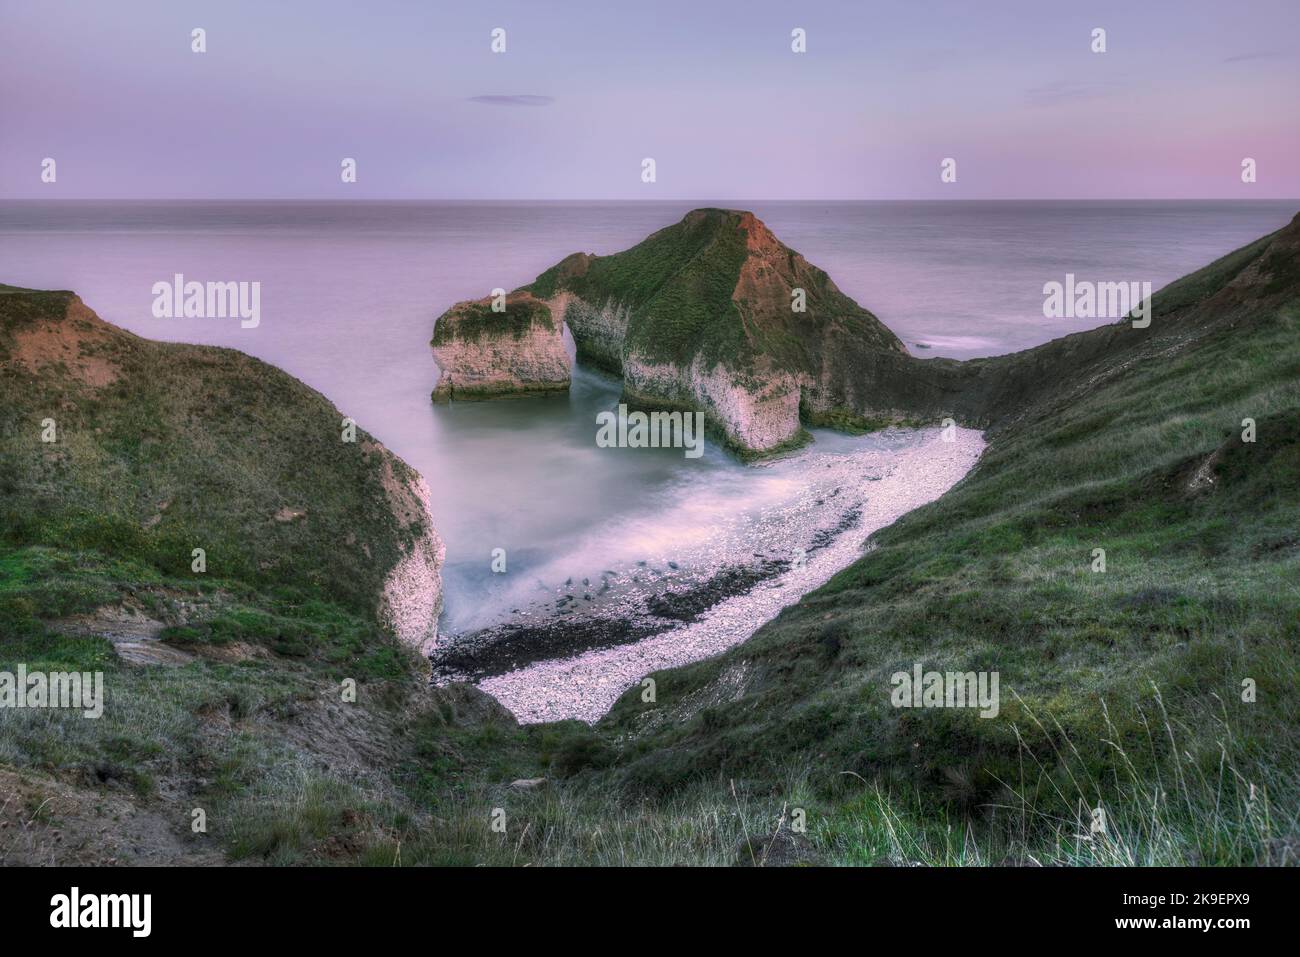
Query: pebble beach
x=875, y=486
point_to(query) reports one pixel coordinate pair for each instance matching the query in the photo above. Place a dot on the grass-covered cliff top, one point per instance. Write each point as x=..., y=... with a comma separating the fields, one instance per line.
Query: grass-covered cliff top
x=159, y=449
x=718, y=285
x=471, y=321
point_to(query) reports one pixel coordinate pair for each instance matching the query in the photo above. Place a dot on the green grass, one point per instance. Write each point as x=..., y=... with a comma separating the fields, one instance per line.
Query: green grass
x=189, y=447
x=1200, y=593
x=470, y=321
x=678, y=282
x=678, y=285
x=214, y=734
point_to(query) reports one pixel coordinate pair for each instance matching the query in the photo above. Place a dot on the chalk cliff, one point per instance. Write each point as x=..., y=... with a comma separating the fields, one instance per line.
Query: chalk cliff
x=712, y=313
x=715, y=313
x=484, y=354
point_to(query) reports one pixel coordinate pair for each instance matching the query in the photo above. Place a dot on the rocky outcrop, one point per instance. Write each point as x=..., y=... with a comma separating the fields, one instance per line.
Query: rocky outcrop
x=753, y=416
x=486, y=354
x=151, y=450
x=411, y=599
x=714, y=313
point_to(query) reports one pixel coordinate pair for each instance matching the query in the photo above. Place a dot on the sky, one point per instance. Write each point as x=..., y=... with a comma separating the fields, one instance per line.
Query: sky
x=709, y=89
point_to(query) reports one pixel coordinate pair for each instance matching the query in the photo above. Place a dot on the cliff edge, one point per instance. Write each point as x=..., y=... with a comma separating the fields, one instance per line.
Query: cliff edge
x=151, y=450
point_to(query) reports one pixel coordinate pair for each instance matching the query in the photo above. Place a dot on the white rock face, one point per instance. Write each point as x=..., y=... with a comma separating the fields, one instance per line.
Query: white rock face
x=758, y=411
x=501, y=363
x=411, y=600
x=600, y=331
x=760, y=416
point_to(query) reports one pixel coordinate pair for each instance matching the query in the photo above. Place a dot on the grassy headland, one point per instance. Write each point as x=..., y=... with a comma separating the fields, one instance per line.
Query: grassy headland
x=1121, y=689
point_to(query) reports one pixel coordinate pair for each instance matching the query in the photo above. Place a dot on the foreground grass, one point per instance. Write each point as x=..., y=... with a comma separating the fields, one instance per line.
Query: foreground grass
x=280, y=767
x=1178, y=817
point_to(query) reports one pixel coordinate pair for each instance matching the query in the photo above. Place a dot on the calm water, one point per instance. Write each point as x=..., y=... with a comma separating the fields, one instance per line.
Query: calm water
x=350, y=292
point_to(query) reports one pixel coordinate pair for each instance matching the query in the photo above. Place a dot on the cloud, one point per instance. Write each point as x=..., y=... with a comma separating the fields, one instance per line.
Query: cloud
x=1259, y=55
x=1064, y=91
x=514, y=99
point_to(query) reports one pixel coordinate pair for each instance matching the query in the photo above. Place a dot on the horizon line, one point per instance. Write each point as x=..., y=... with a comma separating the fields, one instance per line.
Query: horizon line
x=704, y=200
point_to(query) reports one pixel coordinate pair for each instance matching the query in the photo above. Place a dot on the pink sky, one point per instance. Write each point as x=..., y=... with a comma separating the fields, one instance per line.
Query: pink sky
x=713, y=92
